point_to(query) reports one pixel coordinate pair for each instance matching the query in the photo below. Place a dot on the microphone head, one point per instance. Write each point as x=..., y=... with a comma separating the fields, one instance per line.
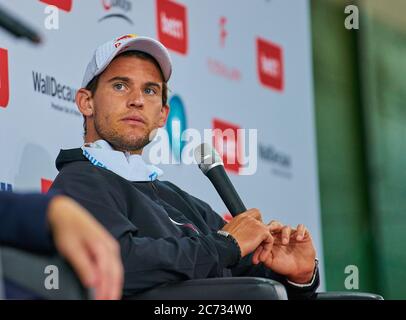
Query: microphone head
x=207, y=157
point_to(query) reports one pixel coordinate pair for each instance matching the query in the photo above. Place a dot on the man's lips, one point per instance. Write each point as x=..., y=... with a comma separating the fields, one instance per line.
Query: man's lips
x=134, y=119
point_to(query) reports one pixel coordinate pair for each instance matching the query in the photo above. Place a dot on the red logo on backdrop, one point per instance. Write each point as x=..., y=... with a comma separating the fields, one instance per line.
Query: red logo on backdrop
x=270, y=64
x=227, y=143
x=4, y=86
x=223, y=31
x=45, y=185
x=65, y=5
x=172, y=25
x=106, y=5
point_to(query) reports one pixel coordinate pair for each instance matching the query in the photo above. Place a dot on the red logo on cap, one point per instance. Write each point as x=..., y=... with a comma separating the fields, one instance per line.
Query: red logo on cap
x=65, y=5
x=127, y=36
x=270, y=64
x=172, y=25
x=4, y=87
x=117, y=42
x=227, y=143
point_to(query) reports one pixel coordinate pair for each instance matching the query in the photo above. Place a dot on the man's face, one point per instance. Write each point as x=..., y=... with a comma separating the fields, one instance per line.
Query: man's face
x=127, y=105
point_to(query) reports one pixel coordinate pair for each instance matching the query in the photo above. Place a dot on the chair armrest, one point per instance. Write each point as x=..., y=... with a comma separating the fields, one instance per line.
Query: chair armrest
x=343, y=295
x=26, y=272
x=238, y=288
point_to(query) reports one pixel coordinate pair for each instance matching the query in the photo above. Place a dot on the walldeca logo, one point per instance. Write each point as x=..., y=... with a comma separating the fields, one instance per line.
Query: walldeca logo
x=270, y=154
x=122, y=5
x=65, y=5
x=49, y=86
x=227, y=143
x=270, y=64
x=4, y=83
x=281, y=163
x=45, y=185
x=172, y=25
x=6, y=187
x=176, y=125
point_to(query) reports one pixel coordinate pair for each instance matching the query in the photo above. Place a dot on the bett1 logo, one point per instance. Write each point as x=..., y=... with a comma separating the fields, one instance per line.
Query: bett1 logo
x=270, y=65
x=65, y=5
x=172, y=25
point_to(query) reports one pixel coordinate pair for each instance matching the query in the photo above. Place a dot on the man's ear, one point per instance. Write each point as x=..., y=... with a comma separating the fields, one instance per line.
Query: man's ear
x=84, y=101
x=164, y=115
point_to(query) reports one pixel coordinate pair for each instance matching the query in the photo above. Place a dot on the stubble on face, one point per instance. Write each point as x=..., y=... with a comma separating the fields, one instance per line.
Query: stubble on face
x=133, y=143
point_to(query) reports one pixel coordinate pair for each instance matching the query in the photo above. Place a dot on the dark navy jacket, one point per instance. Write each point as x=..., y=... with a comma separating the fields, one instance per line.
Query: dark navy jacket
x=165, y=234
x=23, y=221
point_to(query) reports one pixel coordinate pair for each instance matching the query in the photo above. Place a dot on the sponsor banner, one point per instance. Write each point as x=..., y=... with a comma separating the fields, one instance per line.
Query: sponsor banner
x=238, y=68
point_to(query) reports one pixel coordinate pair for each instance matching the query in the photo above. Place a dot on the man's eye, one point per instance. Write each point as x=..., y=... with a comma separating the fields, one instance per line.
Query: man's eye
x=119, y=86
x=150, y=91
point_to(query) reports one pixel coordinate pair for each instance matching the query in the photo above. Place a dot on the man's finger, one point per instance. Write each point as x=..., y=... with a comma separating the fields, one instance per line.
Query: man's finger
x=106, y=281
x=267, y=249
x=300, y=232
x=111, y=267
x=254, y=213
x=77, y=255
x=257, y=253
x=117, y=274
x=275, y=226
x=286, y=231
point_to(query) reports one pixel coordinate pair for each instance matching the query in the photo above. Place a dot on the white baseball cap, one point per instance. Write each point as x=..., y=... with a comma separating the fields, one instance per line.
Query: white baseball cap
x=104, y=54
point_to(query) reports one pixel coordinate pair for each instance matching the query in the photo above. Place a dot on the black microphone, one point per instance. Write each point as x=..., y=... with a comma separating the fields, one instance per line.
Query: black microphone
x=17, y=27
x=212, y=166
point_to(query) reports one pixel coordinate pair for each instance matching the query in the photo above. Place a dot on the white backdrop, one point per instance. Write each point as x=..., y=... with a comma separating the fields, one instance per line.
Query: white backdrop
x=217, y=74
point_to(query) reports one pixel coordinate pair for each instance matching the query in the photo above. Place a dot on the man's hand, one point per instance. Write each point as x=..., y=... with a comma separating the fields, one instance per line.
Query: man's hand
x=92, y=251
x=249, y=231
x=292, y=255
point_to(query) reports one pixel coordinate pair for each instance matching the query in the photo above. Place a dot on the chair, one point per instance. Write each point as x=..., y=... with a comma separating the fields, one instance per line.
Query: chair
x=23, y=274
x=241, y=288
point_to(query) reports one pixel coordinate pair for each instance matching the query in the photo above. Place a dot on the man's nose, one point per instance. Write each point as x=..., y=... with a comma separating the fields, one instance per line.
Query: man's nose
x=136, y=99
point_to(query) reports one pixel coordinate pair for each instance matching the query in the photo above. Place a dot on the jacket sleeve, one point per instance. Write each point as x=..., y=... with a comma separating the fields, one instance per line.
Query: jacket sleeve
x=148, y=262
x=23, y=222
x=245, y=267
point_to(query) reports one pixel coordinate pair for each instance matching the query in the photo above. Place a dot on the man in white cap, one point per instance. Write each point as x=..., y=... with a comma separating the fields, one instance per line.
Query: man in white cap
x=165, y=234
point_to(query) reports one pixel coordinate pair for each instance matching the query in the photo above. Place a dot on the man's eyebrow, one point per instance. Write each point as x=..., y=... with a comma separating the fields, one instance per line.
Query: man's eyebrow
x=124, y=79
x=154, y=84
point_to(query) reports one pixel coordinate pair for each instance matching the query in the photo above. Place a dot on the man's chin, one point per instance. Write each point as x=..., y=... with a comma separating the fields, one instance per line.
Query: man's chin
x=130, y=145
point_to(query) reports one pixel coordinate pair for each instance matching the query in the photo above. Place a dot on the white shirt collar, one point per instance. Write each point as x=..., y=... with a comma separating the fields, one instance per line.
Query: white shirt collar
x=129, y=166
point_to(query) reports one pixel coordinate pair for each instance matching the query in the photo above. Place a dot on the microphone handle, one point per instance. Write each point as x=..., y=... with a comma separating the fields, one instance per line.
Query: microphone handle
x=16, y=27
x=219, y=178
